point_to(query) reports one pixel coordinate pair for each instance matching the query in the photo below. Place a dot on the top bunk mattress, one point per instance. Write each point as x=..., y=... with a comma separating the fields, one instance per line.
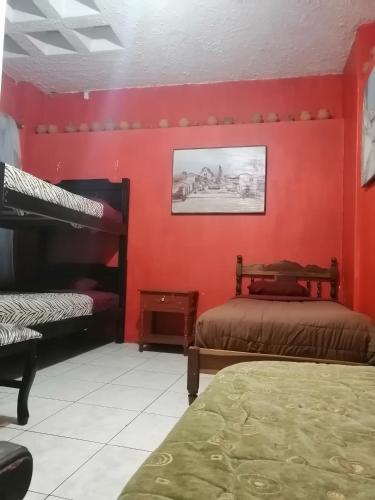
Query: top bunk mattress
x=84, y=211
x=22, y=182
x=316, y=329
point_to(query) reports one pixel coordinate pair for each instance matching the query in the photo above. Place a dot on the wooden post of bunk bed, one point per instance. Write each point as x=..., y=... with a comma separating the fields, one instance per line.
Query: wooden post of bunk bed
x=123, y=259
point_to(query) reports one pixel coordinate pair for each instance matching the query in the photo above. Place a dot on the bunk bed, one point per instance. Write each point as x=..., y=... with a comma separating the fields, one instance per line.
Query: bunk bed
x=67, y=296
x=28, y=201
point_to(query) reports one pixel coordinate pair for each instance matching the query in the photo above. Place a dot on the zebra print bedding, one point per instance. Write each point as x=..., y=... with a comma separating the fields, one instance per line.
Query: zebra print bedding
x=25, y=183
x=28, y=309
x=12, y=334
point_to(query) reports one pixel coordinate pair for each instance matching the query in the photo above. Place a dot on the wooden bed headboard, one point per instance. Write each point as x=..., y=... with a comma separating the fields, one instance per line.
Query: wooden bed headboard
x=286, y=269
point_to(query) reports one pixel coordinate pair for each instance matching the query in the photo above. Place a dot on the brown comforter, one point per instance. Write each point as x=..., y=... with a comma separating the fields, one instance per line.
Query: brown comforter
x=315, y=329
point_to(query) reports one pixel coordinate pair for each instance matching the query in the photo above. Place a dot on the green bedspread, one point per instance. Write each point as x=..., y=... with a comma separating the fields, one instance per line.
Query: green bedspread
x=270, y=430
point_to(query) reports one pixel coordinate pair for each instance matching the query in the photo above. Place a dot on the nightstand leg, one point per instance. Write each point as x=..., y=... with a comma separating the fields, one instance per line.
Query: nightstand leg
x=193, y=374
x=141, y=331
x=186, y=335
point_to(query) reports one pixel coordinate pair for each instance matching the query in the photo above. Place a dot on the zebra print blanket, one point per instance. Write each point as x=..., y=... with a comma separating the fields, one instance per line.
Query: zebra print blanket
x=29, y=309
x=12, y=334
x=25, y=183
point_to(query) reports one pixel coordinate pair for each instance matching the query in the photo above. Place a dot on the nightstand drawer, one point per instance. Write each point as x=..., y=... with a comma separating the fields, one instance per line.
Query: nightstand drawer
x=167, y=302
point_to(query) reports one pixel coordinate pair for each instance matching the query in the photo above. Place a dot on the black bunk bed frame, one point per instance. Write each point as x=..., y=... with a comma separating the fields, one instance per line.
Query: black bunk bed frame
x=43, y=216
x=40, y=213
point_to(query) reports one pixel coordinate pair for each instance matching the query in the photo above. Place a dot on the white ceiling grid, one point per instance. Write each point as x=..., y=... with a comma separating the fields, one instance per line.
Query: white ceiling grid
x=77, y=45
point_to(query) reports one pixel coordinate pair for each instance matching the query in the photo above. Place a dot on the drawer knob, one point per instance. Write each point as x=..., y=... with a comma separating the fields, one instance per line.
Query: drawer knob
x=162, y=299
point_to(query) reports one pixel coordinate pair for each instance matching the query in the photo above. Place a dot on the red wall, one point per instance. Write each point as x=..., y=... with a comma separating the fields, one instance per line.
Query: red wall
x=359, y=203
x=304, y=202
x=196, y=102
x=303, y=219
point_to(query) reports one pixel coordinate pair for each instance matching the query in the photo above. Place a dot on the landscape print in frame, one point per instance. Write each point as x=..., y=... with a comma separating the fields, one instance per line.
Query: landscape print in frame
x=230, y=180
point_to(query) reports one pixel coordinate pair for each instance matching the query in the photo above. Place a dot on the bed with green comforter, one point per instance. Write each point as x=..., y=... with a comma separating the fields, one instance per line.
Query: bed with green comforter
x=270, y=430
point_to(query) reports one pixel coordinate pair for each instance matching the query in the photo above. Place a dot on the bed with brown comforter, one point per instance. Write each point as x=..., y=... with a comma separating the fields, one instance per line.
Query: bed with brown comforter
x=308, y=328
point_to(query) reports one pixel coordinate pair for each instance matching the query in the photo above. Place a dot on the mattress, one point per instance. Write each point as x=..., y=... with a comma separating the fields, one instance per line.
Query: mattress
x=276, y=430
x=315, y=329
x=22, y=182
x=28, y=309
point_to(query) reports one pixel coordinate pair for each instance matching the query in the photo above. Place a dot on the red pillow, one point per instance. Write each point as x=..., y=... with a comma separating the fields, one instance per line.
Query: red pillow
x=287, y=288
x=85, y=284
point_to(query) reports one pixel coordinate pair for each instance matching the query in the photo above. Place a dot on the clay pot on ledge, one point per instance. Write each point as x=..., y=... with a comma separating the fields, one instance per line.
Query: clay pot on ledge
x=305, y=116
x=124, y=125
x=183, y=122
x=136, y=125
x=164, y=123
x=109, y=125
x=41, y=129
x=70, y=127
x=96, y=126
x=228, y=120
x=212, y=120
x=256, y=118
x=83, y=127
x=323, y=114
x=52, y=129
x=272, y=118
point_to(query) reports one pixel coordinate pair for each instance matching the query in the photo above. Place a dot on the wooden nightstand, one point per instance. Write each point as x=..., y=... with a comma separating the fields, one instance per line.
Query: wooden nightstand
x=167, y=317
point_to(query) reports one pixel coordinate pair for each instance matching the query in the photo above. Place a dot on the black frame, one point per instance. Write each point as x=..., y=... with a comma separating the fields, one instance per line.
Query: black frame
x=29, y=349
x=55, y=276
x=223, y=213
x=83, y=324
x=43, y=213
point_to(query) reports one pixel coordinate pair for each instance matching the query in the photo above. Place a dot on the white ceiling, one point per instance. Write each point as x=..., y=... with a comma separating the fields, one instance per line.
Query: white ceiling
x=76, y=45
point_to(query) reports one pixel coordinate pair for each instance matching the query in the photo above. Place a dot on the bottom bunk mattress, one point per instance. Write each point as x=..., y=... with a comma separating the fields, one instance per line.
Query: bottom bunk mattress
x=277, y=430
x=37, y=308
x=309, y=328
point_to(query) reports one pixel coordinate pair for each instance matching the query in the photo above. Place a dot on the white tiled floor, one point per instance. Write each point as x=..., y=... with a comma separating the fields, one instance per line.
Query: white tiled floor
x=95, y=417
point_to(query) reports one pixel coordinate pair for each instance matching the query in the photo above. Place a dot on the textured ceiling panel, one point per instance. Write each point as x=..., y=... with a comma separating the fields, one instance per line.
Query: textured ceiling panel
x=163, y=42
x=74, y=8
x=51, y=43
x=19, y=11
x=99, y=38
x=12, y=49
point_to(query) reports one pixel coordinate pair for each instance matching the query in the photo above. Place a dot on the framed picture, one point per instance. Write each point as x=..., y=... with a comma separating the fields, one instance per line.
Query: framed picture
x=219, y=180
x=368, y=130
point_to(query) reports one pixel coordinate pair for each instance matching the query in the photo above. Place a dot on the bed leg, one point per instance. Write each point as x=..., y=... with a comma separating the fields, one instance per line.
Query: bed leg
x=193, y=373
x=26, y=383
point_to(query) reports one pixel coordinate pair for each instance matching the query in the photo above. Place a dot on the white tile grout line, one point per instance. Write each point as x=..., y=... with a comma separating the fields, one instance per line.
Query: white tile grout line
x=48, y=494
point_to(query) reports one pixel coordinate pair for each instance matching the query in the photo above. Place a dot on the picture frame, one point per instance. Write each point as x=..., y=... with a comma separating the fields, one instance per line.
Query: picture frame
x=219, y=180
x=368, y=131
